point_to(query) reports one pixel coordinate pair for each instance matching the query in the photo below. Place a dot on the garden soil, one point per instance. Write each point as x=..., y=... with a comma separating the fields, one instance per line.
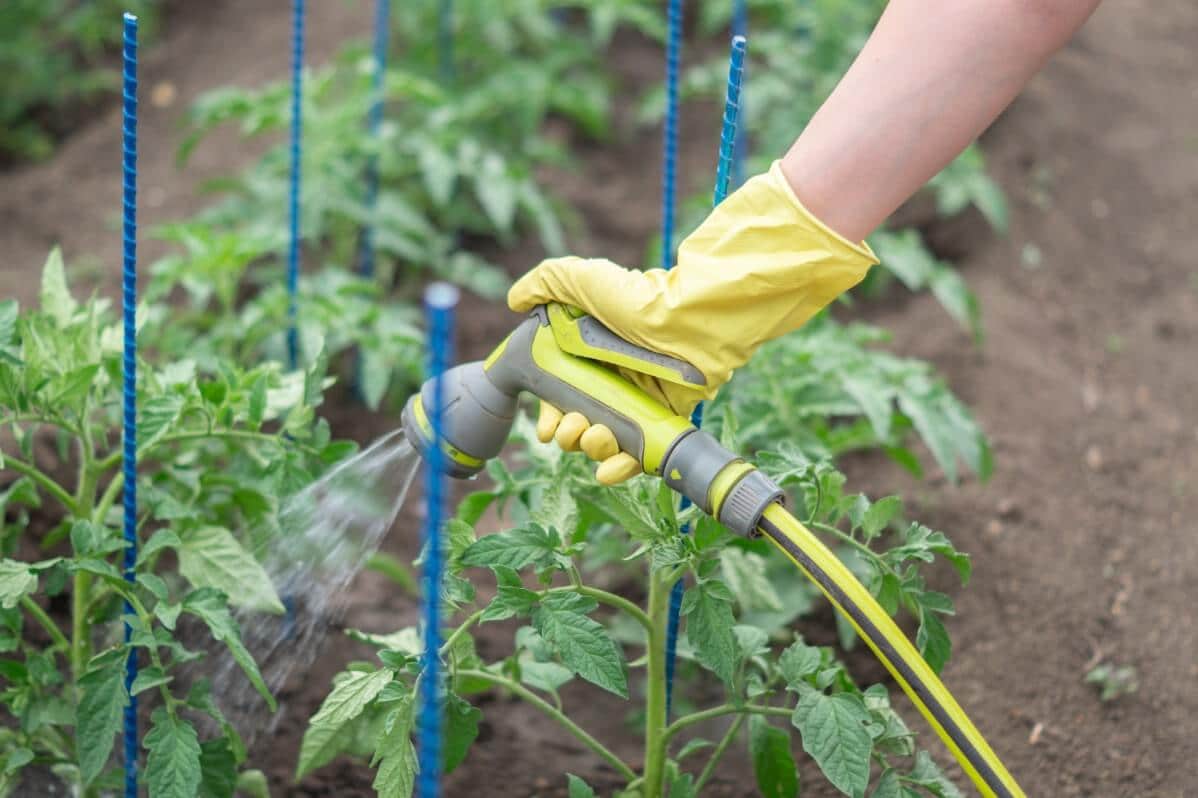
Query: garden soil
x=1083, y=541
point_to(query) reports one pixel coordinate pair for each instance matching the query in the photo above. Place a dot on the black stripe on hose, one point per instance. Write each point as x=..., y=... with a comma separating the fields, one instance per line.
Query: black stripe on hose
x=871, y=631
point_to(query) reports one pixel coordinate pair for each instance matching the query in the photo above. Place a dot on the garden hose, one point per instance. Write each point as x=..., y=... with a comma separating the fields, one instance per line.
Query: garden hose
x=565, y=358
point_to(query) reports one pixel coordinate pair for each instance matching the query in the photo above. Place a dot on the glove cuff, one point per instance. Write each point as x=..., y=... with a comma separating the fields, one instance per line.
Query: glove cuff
x=782, y=185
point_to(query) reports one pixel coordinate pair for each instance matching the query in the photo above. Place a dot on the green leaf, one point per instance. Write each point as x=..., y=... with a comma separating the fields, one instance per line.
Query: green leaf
x=88, y=539
x=929, y=776
x=163, y=538
x=210, y=606
x=556, y=509
x=798, y=662
x=578, y=788
x=395, y=756
x=744, y=572
x=582, y=643
x=73, y=386
x=880, y=514
x=888, y=785
x=496, y=191
x=257, y=406
x=547, y=676
x=148, y=677
x=461, y=729
x=55, y=297
x=374, y=376
x=708, y=610
x=461, y=537
x=9, y=311
x=98, y=715
x=473, y=506
x=352, y=691
x=17, y=580
x=212, y=557
x=679, y=784
x=773, y=763
x=155, y=418
x=933, y=640
x=515, y=548
x=439, y=172
x=218, y=769
x=173, y=766
x=17, y=758
x=834, y=734
x=511, y=597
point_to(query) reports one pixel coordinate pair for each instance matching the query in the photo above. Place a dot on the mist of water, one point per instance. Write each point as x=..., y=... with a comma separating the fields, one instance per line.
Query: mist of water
x=328, y=532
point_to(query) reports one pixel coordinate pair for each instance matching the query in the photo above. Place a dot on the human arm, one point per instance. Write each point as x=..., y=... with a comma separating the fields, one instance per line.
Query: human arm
x=933, y=75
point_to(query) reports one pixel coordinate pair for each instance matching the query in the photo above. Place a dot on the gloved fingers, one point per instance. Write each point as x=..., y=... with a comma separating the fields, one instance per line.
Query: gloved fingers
x=570, y=430
x=547, y=421
x=599, y=442
x=572, y=280
x=616, y=469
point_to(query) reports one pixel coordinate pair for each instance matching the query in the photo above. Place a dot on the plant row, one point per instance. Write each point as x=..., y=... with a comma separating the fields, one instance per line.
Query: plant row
x=227, y=434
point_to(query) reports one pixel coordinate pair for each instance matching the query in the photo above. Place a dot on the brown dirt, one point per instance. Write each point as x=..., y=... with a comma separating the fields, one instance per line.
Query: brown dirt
x=1082, y=542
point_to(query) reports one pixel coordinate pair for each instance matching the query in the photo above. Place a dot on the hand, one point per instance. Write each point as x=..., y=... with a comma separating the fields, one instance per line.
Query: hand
x=757, y=268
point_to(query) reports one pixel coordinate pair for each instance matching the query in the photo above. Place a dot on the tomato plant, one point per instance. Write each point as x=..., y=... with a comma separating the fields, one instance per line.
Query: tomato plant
x=215, y=454
x=230, y=304
x=737, y=613
x=51, y=57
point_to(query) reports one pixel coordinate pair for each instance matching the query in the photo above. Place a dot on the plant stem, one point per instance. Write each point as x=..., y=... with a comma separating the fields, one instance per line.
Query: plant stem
x=447, y=646
x=49, y=485
x=610, y=599
x=229, y=434
x=80, y=643
x=549, y=710
x=724, y=709
x=107, y=499
x=655, y=684
x=729, y=736
x=852, y=541
x=47, y=623
x=85, y=498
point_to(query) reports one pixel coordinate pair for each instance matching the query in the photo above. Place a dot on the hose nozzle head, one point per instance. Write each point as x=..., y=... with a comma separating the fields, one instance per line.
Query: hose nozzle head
x=476, y=418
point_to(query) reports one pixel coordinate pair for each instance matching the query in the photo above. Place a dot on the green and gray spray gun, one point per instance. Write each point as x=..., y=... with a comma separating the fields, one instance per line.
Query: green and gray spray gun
x=565, y=358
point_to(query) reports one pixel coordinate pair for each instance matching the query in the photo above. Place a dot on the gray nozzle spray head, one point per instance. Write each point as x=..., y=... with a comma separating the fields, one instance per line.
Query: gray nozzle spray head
x=477, y=417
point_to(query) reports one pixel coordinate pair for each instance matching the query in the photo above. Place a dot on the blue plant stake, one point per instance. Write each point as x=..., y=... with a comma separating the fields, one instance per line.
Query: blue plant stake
x=736, y=63
x=129, y=369
x=670, y=135
x=439, y=302
x=382, y=35
x=740, y=27
x=293, y=255
x=445, y=39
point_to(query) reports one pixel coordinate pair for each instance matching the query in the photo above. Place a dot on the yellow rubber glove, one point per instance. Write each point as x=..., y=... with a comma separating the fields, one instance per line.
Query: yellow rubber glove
x=757, y=268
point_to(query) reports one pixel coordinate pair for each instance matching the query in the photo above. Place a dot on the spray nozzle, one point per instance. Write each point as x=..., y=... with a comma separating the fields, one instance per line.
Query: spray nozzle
x=560, y=357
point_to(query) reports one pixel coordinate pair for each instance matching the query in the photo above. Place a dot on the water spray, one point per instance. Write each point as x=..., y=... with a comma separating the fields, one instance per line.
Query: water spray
x=565, y=357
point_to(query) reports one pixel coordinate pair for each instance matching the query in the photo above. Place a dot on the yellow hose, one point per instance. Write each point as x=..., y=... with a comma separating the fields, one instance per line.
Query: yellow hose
x=892, y=648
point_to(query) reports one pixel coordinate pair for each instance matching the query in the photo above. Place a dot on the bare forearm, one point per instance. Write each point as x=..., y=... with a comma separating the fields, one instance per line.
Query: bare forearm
x=933, y=76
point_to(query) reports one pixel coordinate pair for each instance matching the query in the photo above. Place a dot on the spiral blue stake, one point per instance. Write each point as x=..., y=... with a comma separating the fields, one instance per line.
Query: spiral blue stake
x=129, y=370
x=736, y=62
x=382, y=31
x=440, y=299
x=445, y=39
x=670, y=134
x=293, y=255
x=740, y=27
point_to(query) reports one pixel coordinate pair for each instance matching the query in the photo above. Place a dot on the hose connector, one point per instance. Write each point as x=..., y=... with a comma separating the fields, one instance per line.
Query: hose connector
x=747, y=501
x=719, y=482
